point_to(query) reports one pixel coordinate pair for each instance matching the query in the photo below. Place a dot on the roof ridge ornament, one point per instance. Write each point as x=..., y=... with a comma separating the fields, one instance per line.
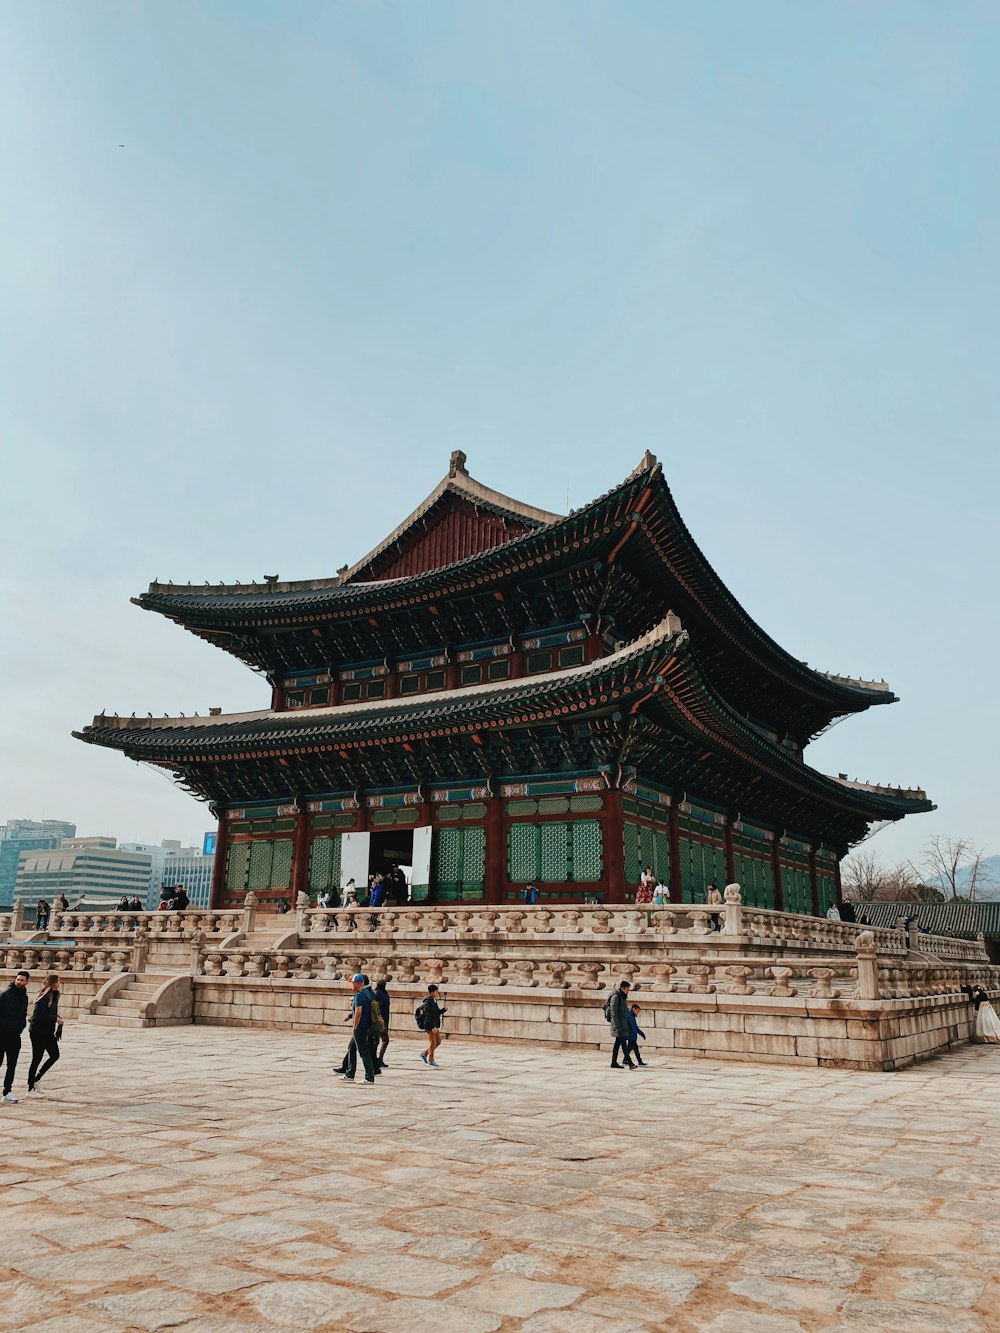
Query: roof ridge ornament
x=457, y=463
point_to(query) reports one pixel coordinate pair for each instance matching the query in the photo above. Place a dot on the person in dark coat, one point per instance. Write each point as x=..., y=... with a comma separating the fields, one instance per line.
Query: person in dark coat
x=13, y=1016
x=384, y=1005
x=433, y=1017
x=44, y=1030
x=621, y=1028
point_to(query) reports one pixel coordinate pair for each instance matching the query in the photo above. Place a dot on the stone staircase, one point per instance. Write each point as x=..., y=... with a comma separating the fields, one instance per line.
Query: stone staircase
x=127, y=1001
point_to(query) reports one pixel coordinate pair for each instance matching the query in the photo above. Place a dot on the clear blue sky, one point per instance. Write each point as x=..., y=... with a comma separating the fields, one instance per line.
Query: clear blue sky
x=342, y=240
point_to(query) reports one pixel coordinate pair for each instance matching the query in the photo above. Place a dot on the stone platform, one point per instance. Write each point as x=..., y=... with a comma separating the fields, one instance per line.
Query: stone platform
x=731, y=981
x=220, y=1182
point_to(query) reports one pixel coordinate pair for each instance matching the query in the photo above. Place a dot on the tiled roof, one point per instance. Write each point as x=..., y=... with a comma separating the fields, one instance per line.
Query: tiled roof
x=962, y=918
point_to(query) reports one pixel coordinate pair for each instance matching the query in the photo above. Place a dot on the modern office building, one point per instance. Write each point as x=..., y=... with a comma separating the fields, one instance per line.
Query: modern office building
x=26, y=835
x=192, y=868
x=162, y=857
x=91, y=870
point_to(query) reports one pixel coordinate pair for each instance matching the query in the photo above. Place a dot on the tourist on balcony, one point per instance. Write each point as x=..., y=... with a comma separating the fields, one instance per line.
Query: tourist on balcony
x=376, y=896
x=181, y=902
x=62, y=903
x=647, y=883
x=42, y=911
x=833, y=913
x=661, y=894
x=617, y=1013
x=135, y=903
x=122, y=903
x=350, y=895
x=433, y=1017
x=44, y=1030
x=323, y=899
x=13, y=1016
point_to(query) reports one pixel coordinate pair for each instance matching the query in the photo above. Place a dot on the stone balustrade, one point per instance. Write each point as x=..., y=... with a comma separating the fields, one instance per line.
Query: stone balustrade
x=180, y=925
x=33, y=958
x=676, y=923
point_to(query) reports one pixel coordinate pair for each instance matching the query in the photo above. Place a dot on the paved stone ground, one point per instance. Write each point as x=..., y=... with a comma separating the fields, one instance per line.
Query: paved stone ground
x=223, y=1181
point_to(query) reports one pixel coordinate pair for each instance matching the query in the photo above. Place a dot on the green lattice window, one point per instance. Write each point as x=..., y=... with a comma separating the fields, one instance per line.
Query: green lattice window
x=796, y=883
x=555, y=853
x=702, y=863
x=459, y=864
x=755, y=877
x=646, y=847
x=324, y=863
x=827, y=887
x=260, y=865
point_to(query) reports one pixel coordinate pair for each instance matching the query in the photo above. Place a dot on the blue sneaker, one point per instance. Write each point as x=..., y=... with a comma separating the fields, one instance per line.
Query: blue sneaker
x=433, y=1064
x=424, y=1058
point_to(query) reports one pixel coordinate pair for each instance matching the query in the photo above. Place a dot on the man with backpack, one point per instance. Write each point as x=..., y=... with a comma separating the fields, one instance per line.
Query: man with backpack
x=363, y=1030
x=616, y=1011
x=429, y=1017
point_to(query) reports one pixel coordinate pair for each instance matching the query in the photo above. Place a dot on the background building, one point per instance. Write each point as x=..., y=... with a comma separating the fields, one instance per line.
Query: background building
x=26, y=835
x=170, y=863
x=94, y=870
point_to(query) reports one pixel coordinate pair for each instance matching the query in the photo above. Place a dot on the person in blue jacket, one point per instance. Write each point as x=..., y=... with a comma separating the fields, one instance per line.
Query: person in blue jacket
x=635, y=1033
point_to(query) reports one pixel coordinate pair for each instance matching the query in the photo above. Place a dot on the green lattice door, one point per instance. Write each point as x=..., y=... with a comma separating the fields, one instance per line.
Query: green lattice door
x=555, y=853
x=702, y=863
x=646, y=847
x=796, y=886
x=324, y=864
x=755, y=877
x=459, y=864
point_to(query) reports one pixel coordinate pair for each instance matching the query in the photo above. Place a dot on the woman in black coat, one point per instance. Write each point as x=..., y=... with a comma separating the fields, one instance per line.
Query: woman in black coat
x=44, y=1030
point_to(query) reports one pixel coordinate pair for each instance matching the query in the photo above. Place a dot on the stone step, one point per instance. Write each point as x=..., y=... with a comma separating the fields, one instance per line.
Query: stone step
x=104, y=1019
x=123, y=1004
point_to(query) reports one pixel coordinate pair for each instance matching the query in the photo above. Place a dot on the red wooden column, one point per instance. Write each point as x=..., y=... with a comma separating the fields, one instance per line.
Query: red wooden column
x=613, y=833
x=727, y=845
x=300, y=857
x=496, y=850
x=219, y=868
x=814, y=881
x=779, y=892
x=676, y=874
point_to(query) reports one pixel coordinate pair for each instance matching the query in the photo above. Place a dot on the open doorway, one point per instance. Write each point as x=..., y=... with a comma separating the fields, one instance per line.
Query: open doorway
x=393, y=847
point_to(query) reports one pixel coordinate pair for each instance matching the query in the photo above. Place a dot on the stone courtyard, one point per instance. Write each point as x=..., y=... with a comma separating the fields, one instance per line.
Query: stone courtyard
x=224, y=1181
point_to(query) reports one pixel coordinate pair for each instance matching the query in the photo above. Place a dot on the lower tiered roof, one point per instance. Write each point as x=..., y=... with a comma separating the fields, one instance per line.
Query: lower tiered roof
x=648, y=707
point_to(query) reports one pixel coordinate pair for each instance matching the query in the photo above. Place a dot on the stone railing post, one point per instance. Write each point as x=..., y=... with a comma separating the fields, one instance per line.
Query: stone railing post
x=17, y=915
x=301, y=913
x=733, y=896
x=249, y=913
x=868, y=988
x=140, y=947
x=194, y=950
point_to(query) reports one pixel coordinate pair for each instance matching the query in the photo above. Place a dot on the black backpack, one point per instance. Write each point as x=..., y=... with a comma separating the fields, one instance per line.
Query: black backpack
x=420, y=1017
x=609, y=1004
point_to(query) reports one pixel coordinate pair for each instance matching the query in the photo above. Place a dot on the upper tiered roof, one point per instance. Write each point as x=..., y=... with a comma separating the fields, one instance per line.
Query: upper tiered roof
x=618, y=564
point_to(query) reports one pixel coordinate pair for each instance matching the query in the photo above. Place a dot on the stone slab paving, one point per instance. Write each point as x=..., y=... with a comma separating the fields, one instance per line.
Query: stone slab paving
x=222, y=1180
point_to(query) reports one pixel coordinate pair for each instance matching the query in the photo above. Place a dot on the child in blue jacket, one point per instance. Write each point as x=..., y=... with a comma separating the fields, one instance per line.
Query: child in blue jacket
x=635, y=1032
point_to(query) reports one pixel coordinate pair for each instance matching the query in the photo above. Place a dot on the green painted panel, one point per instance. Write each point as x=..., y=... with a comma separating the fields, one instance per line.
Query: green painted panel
x=701, y=864
x=755, y=878
x=522, y=853
x=237, y=864
x=281, y=863
x=646, y=847
x=324, y=863
x=587, y=851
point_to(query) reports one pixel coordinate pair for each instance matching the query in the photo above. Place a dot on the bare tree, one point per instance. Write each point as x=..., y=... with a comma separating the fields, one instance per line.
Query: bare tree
x=958, y=866
x=866, y=880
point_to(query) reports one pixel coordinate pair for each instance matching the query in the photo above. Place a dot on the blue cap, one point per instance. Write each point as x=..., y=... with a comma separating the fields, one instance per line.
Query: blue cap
x=357, y=977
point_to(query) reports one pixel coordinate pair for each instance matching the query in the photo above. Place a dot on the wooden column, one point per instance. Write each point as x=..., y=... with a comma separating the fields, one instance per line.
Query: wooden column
x=814, y=881
x=779, y=892
x=300, y=858
x=613, y=833
x=838, y=896
x=727, y=844
x=676, y=873
x=496, y=851
x=219, y=868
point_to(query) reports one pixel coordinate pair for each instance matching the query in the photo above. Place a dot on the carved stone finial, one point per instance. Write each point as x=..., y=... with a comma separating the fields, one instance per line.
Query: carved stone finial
x=457, y=463
x=732, y=893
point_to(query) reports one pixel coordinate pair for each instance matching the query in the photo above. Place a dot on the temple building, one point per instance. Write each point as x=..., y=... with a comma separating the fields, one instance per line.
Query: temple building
x=498, y=697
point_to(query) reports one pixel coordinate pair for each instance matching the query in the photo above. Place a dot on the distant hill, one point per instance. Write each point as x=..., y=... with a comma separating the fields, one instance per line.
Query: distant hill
x=990, y=871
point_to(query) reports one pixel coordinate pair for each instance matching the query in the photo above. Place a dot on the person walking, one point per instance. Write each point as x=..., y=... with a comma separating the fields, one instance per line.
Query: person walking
x=45, y=1029
x=384, y=1001
x=13, y=1016
x=433, y=1016
x=635, y=1032
x=617, y=1013
x=362, y=1028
